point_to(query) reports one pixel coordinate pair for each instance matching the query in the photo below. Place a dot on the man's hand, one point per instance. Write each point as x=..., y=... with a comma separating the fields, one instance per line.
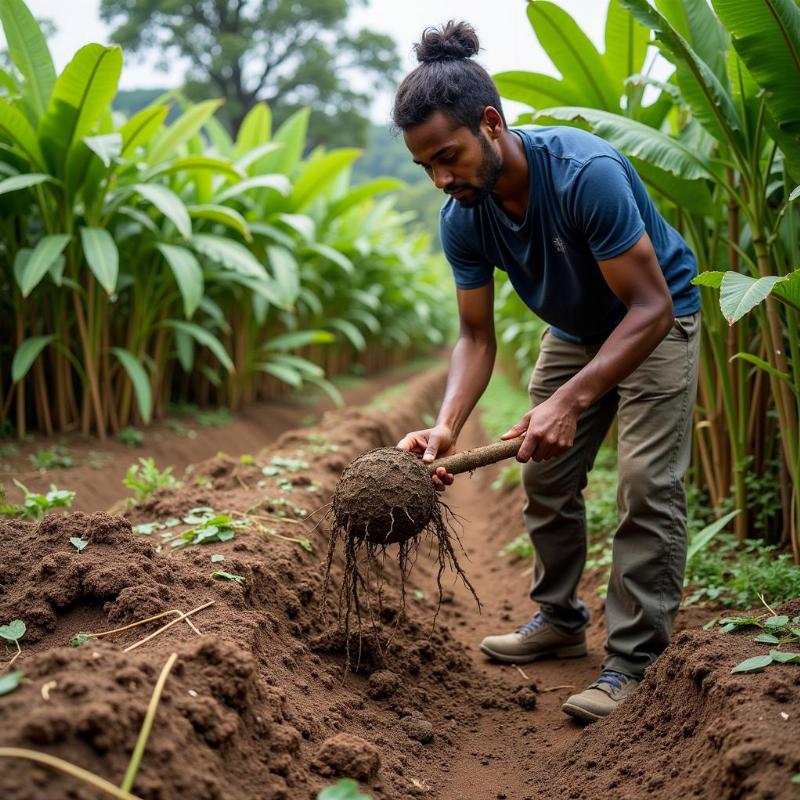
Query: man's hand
x=549, y=428
x=430, y=444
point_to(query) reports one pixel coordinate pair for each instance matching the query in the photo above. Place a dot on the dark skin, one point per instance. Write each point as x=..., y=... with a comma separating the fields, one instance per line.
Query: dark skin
x=452, y=156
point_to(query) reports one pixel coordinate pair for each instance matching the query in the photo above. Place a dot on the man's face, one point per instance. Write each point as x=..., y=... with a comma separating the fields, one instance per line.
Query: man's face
x=460, y=163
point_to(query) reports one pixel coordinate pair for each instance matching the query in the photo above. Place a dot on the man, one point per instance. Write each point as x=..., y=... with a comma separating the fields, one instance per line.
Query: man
x=569, y=220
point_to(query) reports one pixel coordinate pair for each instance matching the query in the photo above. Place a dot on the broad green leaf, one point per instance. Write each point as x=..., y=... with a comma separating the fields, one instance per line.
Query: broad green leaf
x=637, y=140
x=346, y=789
x=216, y=166
x=168, y=141
x=710, y=101
x=301, y=224
x=106, y=147
x=778, y=621
x=317, y=174
x=292, y=136
x=692, y=195
x=331, y=254
x=252, y=157
x=739, y=293
x=761, y=364
x=711, y=278
x=359, y=194
x=169, y=204
x=626, y=42
x=283, y=373
x=766, y=638
x=222, y=214
x=24, y=181
x=783, y=657
x=350, y=331
x=788, y=290
x=766, y=35
x=10, y=681
x=141, y=127
x=229, y=253
x=255, y=130
x=203, y=337
x=327, y=387
x=697, y=23
x=755, y=664
x=280, y=183
x=573, y=53
x=13, y=631
x=102, y=256
x=537, y=90
x=188, y=275
x=701, y=539
x=290, y=341
x=16, y=127
x=220, y=138
x=302, y=365
x=28, y=49
x=47, y=250
x=9, y=82
x=26, y=354
x=140, y=381
x=82, y=93
x=286, y=272
x=78, y=543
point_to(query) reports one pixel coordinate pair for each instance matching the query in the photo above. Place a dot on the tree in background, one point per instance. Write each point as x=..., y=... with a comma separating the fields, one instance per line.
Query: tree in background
x=288, y=53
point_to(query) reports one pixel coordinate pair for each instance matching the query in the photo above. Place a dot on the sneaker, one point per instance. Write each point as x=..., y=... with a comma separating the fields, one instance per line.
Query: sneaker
x=537, y=638
x=600, y=698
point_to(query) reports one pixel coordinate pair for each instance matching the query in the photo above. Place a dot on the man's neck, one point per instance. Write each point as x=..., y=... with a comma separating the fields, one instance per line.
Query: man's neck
x=511, y=190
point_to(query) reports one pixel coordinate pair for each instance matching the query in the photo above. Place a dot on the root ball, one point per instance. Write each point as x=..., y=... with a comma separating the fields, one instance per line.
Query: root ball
x=385, y=496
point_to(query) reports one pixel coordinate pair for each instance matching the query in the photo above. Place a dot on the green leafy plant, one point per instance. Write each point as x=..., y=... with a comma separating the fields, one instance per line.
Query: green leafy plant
x=78, y=543
x=35, y=505
x=13, y=632
x=227, y=576
x=345, y=789
x=519, y=548
x=208, y=527
x=57, y=457
x=773, y=629
x=131, y=437
x=145, y=478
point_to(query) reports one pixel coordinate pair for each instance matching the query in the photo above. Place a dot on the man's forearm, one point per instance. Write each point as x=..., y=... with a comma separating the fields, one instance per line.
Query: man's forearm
x=471, y=364
x=629, y=344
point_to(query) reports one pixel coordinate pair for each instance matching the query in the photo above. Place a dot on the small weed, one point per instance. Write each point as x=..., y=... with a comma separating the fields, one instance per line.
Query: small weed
x=346, y=789
x=79, y=639
x=214, y=419
x=57, y=457
x=130, y=437
x=78, y=543
x=96, y=459
x=518, y=548
x=208, y=526
x=247, y=459
x=509, y=478
x=774, y=629
x=180, y=429
x=144, y=478
x=35, y=505
x=10, y=681
x=8, y=450
x=216, y=558
x=227, y=576
x=13, y=632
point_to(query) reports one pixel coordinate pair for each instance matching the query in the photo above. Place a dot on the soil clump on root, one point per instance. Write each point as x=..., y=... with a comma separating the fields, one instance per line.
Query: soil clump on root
x=386, y=498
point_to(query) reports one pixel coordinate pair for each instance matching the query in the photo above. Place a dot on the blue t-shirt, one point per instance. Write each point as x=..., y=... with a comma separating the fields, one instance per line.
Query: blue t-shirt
x=586, y=204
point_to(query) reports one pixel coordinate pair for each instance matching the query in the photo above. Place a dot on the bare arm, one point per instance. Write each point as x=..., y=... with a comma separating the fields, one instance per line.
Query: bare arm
x=471, y=364
x=636, y=278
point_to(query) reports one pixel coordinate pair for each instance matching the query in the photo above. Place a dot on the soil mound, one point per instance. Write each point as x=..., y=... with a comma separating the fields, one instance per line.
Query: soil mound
x=256, y=703
x=693, y=729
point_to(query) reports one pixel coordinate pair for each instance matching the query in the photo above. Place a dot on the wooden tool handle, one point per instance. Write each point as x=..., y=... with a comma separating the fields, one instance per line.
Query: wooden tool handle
x=477, y=457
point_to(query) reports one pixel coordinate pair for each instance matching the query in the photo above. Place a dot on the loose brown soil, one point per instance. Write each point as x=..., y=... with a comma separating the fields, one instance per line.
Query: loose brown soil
x=256, y=705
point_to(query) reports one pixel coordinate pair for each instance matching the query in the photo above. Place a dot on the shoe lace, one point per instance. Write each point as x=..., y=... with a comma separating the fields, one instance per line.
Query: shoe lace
x=616, y=680
x=533, y=624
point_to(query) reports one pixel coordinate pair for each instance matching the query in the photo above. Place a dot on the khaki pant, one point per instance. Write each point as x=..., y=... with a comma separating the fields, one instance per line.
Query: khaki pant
x=654, y=412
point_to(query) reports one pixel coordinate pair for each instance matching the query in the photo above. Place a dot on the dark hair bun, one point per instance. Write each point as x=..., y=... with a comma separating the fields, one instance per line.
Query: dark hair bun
x=451, y=41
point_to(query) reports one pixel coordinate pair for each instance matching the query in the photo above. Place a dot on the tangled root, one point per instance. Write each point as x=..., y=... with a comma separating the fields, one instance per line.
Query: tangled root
x=386, y=497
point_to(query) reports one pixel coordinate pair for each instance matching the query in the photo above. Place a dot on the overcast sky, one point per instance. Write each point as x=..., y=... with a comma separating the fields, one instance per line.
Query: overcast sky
x=506, y=37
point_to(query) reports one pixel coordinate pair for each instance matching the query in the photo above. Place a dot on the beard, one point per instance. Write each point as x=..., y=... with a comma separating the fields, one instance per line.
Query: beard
x=489, y=171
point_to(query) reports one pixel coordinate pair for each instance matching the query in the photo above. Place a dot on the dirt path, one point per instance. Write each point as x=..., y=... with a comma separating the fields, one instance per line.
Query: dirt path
x=495, y=754
x=179, y=442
